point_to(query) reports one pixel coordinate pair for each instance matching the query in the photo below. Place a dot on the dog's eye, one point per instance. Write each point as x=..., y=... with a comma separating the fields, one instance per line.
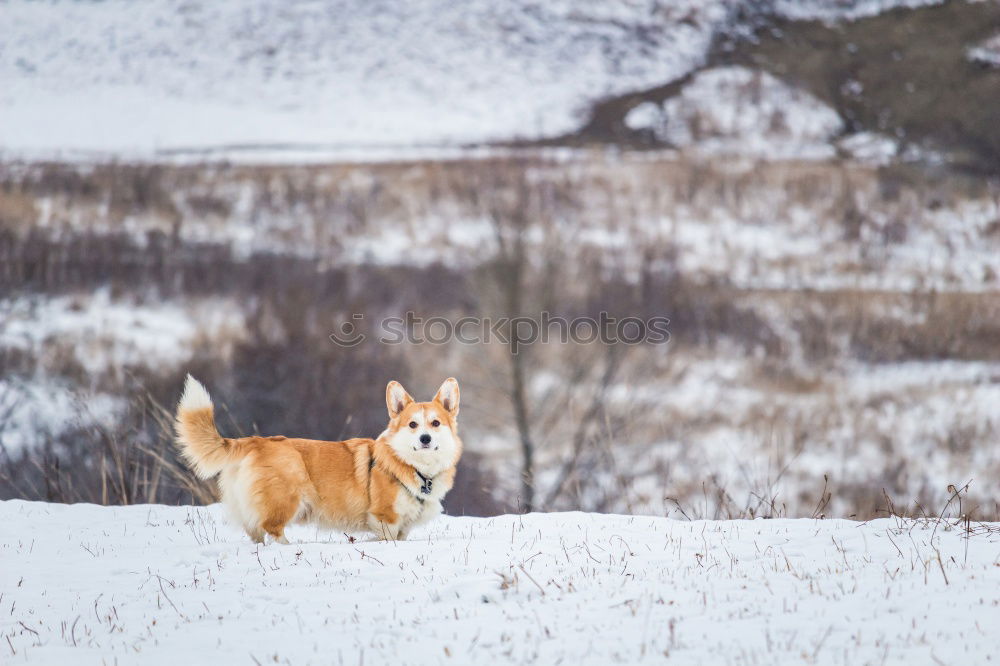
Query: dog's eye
x=413, y=424
x=435, y=423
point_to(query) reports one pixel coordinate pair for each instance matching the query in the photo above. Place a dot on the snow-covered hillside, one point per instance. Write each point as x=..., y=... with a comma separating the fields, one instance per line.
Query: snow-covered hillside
x=127, y=76
x=155, y=584
x=147, y=78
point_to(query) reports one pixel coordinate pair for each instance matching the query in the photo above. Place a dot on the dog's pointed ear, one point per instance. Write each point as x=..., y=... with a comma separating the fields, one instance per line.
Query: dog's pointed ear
x=447, y=396
x=396, y=398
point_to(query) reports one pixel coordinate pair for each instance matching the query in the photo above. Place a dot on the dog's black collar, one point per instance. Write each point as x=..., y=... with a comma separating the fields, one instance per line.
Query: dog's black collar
x=425, y=488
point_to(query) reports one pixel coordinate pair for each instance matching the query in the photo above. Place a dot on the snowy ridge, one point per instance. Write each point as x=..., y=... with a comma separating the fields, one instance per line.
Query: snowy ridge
x=168, y=585
x=987, y=53
x=833, y=10
x=736, y=110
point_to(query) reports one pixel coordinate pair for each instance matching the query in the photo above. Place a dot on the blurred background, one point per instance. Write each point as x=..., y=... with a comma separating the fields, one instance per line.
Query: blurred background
x=807, y=189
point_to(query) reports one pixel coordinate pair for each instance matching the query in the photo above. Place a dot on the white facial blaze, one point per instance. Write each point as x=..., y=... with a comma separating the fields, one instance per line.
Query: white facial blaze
x=406, y=442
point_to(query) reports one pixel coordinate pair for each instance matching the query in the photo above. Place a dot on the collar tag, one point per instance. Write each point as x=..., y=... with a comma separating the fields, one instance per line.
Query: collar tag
x=425, y=488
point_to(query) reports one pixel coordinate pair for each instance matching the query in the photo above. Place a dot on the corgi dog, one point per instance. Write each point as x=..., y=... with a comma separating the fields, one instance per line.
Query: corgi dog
x=386, y=485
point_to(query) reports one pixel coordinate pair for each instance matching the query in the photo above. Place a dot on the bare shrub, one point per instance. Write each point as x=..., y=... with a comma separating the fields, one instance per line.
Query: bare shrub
x=134, y=463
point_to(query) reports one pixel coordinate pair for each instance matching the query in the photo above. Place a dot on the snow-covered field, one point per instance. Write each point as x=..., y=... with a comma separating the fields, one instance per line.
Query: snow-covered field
x=157, y=76
x=158, y=79
x=156, y=584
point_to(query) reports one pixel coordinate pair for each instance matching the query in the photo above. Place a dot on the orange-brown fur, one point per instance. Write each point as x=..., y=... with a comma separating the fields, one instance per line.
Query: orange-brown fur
x=269, y=482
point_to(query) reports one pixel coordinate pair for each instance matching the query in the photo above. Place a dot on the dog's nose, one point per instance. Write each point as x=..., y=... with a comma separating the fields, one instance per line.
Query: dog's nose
x=425, y=439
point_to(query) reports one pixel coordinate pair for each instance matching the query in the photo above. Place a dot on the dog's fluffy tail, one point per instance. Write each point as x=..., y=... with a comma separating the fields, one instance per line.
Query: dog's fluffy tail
x=205, y=450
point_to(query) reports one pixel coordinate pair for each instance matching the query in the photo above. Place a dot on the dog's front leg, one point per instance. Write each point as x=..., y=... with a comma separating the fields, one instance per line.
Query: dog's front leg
x=384, y=531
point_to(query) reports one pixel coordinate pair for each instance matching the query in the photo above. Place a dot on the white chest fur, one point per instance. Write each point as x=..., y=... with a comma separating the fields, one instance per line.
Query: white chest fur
x=412, y=511
x=414, y=507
